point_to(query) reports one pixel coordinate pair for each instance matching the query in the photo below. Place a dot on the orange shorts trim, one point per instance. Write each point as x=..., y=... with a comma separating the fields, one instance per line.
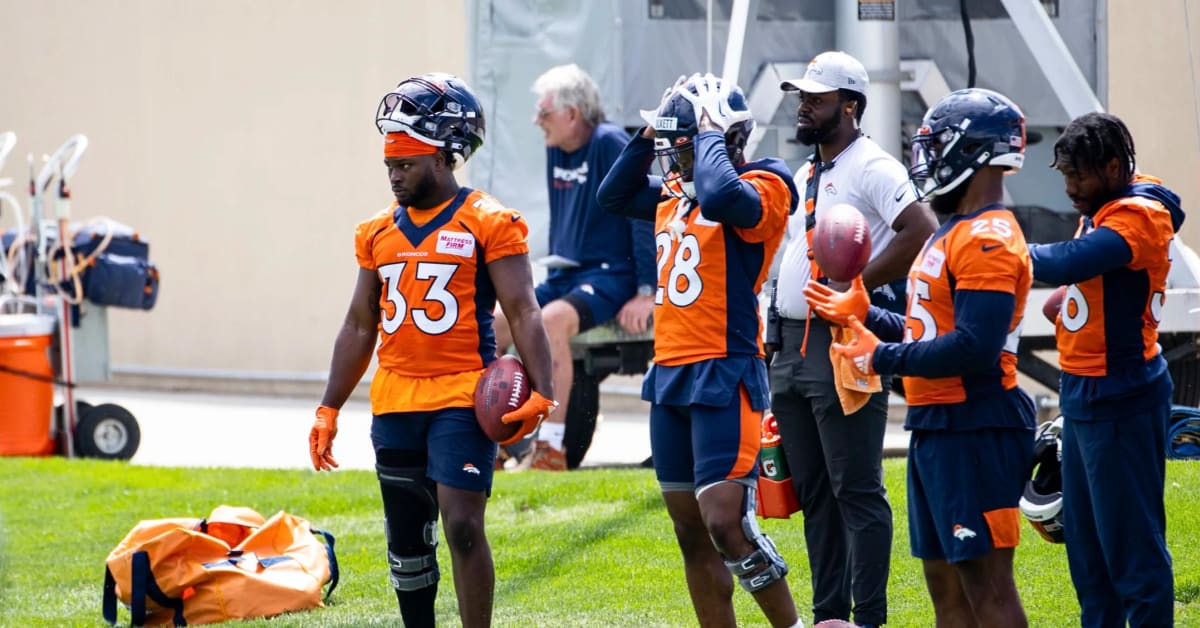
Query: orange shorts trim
x=1005, y=524
x=751, y=437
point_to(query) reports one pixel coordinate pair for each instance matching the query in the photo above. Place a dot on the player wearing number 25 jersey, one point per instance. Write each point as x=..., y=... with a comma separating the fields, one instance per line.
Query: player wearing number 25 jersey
x=982, y=251
x=1115, y=392
x=972, y=427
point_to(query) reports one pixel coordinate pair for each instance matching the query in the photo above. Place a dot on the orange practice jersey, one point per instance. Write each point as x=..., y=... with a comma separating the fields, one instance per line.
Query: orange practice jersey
x=709, y=275
x=437, y=299
x=985, y=251
x=1114, y=317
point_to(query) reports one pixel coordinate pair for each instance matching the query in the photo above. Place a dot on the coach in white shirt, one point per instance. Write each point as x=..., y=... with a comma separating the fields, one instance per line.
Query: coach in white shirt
x=836, y=460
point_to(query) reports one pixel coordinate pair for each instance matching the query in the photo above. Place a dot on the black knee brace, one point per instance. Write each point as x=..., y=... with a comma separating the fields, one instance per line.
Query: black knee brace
x=410, y=511
x=764, y=566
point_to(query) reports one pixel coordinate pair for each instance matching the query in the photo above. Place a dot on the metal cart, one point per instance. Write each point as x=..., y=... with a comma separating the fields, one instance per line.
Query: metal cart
x=51, y=338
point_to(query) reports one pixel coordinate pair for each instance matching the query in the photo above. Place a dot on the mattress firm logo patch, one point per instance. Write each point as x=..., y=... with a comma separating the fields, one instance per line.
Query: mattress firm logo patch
x=456, y=243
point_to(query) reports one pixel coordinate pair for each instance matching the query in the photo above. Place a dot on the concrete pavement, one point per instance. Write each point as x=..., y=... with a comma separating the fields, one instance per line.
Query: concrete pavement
x=188, y=429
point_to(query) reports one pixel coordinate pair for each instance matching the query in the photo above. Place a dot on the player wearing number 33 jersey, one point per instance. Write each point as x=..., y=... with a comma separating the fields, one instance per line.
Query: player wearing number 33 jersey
x=437, y=299
x=431, y=270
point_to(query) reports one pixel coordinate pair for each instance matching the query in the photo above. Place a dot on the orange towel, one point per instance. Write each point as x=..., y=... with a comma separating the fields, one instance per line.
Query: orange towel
x=853, y=389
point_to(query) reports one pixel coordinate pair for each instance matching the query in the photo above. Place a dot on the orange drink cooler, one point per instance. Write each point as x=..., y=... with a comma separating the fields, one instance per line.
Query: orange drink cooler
x=26, y=385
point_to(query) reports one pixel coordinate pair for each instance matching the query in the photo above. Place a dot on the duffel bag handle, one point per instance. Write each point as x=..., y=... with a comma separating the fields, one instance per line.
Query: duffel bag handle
x=333, y=565
x=142, y=585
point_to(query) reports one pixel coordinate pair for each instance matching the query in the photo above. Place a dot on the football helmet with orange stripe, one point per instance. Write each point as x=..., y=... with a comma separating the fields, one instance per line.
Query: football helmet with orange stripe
x=963, y=132
x=438, y=109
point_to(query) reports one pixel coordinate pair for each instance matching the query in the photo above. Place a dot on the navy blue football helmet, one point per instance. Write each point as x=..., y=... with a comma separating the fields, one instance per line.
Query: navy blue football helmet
x=438, y=109
x=963, y=132
x=675, y=127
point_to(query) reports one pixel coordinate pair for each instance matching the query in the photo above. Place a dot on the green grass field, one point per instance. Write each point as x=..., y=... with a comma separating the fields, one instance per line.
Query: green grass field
x=590, y=548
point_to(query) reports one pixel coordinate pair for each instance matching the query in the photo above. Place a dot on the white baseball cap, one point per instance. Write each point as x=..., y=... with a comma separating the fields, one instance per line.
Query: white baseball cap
x=830, y=71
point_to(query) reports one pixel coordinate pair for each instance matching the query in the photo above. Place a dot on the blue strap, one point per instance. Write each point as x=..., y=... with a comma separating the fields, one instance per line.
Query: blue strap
x=108, y=606
x=144, y=585
x=333, y=565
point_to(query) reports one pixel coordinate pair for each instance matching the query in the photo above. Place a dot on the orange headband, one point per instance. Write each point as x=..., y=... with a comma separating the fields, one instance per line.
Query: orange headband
x=401, y=145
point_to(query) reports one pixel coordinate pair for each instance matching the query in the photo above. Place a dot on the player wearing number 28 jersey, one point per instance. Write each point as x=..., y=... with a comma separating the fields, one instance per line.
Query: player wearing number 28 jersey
x=718, y=222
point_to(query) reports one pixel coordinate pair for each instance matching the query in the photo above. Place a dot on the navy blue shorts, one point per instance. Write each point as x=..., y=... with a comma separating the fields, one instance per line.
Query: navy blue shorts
x=963, y=490
x=460, y=454
x=597, y=293
x=698, y=445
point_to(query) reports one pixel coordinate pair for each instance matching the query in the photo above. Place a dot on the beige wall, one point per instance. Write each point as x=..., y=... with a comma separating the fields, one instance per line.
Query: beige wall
x=1152, y=88
x=238, y=137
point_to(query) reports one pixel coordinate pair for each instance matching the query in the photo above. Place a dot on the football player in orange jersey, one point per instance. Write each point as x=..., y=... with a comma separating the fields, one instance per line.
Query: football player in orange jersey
x=431, y=268
x=972, y=427
x=1115, y=392
x=718, y=222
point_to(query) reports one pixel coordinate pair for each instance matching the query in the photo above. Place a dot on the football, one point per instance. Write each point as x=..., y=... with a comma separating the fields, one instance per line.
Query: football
x=1054, y=304
x=834, y=623
x=841, y=242
x=503, y=387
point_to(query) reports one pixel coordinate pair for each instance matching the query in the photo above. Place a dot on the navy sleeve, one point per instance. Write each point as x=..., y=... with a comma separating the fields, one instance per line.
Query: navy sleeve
x=981, y=320
x=723, y=196
x=886, y=325
x=642, y=232
x=629, y=189
x=1080, y=259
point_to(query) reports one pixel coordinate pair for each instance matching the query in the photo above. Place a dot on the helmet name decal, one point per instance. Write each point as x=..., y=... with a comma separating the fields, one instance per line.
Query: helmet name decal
x=666, y=124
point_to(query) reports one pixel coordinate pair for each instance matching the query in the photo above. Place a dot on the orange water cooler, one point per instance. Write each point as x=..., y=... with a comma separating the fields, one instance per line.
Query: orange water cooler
x=26, y=385
x=776, y=497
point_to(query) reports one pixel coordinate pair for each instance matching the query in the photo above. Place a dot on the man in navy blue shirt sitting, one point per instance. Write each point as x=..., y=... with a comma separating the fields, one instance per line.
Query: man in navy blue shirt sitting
x=601, y=265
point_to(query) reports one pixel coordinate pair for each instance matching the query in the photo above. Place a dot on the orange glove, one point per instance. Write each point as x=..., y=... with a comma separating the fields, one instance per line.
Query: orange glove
x=320, y=439
x=862, y=349
x=530, y=414
x=837, y=307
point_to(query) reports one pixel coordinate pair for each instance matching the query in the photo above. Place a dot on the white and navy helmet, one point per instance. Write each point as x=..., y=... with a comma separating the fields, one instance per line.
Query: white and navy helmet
x=438, y=109
x=963, y=132
x=675, y=127
x=1042, y=501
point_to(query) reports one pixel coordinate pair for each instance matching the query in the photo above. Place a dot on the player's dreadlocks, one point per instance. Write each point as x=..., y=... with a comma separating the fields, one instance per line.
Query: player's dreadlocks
x=1091, y=141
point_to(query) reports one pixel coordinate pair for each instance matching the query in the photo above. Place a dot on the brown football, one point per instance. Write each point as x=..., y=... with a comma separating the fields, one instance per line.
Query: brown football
x=1053, y=304
x=502, y=388
x=841, y=242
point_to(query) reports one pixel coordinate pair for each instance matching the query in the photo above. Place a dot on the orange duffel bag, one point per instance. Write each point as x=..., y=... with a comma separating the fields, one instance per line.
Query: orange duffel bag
x=232, y=565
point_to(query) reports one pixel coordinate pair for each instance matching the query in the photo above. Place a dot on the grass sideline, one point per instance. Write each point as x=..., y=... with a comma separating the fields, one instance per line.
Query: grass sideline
x=590, y=548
